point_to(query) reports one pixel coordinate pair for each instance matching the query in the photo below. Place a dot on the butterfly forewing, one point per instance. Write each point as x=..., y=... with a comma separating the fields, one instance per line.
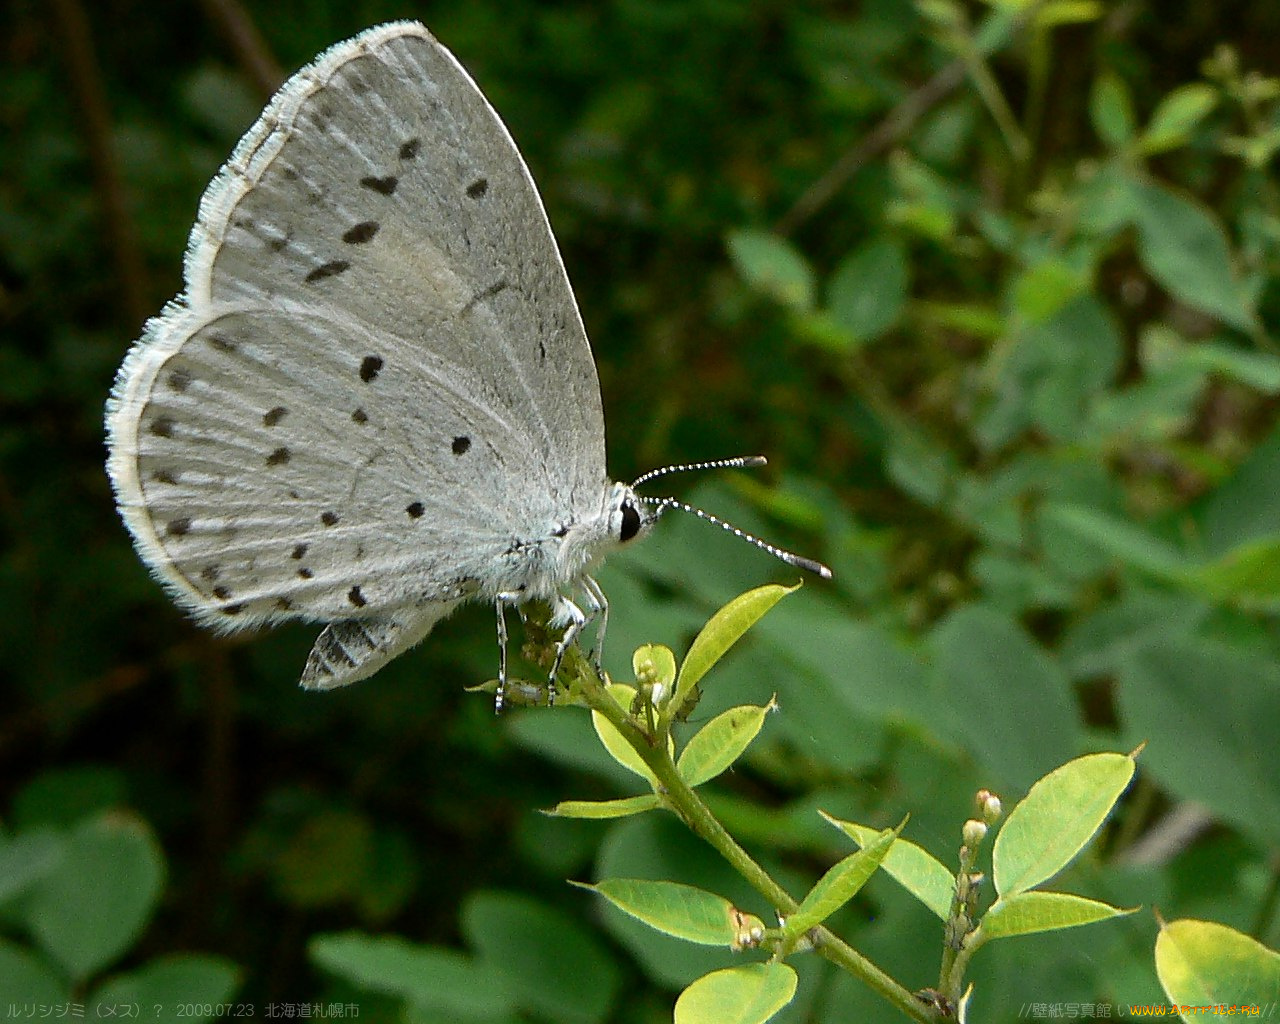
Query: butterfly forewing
x=377, y=377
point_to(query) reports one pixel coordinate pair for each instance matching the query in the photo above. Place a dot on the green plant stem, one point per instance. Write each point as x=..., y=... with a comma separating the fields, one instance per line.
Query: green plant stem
x=697, y=815
x=951, y=951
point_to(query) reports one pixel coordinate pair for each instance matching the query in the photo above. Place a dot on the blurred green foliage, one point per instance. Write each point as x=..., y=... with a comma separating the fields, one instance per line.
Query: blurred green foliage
x=992, y=284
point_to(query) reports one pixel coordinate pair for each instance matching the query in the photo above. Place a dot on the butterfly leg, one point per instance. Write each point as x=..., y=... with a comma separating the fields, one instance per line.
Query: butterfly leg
x=571, y=616
x=599, y=608
x=500, y=605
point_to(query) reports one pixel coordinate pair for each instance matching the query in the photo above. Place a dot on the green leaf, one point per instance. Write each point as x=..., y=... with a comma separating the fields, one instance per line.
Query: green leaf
x=1053, y=371
x=601, y=809
x=1044, y=289
x=839, y=885
x=1201, y=963
x=612, y=740
x=684, y=911
x=1111, y=110
x=915, y=869
x=1177, y=116
x=1028, y=912
x=93, y=905
x=1121, y=539
x=1249, y=573
x=868, y=291
x=432, y=978
x=991, y=682
x=722, y=631
x=25, y=978
x=774, y=266
x=178, y=984
x=1200, y=702
x=1055, y=820
x=1247, y=506
x=1067, y=12
x=1258, y=370
x=720, y=742
x=751, y=994
x=1183, y=247
x=557, y=969
x=27, y=858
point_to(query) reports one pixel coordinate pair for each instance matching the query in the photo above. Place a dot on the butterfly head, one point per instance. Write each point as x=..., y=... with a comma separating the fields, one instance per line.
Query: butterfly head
x=629, y=516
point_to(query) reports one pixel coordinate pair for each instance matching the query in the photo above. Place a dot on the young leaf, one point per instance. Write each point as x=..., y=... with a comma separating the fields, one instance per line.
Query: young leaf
x=1177, y=116
x=773, y=266
x=1027, y=912
x=1056, y=819
x=750, y=994
x=601, y=809
x=1183, y=246
x=839, y=885
x=720, y=742
x=683, y=911
x=915, y=869
x=1111, y=110
x=1203, y=963
x=722, y=631
x=868, y=290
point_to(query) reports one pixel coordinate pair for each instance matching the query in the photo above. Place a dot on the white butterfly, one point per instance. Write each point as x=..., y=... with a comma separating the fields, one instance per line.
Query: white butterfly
x=375, y=398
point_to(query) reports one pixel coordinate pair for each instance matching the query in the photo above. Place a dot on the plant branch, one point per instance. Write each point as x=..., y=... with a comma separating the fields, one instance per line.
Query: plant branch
x=686, y=803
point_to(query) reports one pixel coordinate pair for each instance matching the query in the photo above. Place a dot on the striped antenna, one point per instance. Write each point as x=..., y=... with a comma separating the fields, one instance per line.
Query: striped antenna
x=738, y=462
x=799, y=561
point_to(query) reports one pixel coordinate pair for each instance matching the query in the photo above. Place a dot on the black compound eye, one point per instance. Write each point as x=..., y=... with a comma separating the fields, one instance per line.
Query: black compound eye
x=630, y=522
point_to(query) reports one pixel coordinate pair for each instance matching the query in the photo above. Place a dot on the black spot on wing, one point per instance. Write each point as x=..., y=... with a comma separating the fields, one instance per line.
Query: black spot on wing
x=360, y=416
x=383, y=186
x=478, y=188
x=273, y=416
x=415, y=510
x=410, y=149
x=178, y=527
x=331, y=269
x=461, y=445
x=298, y=551
x=162, y=426
x=278, y=457
x=305, y=573
x=370, y=367
x=360, y=233
x=329, y=518
x=180, y=380
x=356, y=598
